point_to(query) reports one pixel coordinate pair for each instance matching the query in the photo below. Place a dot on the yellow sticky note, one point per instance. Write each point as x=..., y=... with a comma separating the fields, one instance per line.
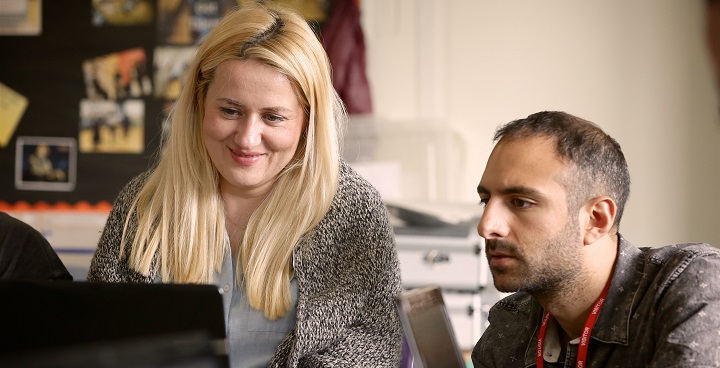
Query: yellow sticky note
x=12, y=107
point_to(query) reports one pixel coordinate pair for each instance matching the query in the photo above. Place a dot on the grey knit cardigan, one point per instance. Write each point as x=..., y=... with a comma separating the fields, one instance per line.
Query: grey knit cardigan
x=347, y=272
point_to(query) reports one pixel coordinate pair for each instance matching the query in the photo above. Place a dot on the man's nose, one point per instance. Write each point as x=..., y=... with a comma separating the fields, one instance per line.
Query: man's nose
x=492, y=223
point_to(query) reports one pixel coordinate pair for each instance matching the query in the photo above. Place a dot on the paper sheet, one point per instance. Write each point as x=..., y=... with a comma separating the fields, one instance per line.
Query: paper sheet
x=12, y=107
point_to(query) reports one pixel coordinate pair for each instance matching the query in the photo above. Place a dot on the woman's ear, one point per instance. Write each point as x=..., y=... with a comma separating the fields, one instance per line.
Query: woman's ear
x=599, y=218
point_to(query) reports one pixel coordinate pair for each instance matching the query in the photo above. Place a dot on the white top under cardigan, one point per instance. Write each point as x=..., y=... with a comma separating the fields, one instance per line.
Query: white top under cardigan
x=252, y=337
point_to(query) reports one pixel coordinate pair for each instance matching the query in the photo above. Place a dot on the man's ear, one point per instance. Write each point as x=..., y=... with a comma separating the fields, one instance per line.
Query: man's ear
x=598, y=219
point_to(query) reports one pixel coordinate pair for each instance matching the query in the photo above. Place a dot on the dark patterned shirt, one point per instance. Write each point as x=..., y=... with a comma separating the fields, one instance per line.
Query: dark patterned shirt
x=662, y=310
x=25, y=254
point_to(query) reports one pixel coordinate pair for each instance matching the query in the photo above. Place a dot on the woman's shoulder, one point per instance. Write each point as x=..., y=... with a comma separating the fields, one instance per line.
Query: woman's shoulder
x=132, y=188
x=353, y=185
x=357, y=199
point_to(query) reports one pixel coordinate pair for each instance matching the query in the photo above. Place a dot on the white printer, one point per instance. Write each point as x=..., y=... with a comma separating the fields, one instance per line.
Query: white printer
x=438, y=244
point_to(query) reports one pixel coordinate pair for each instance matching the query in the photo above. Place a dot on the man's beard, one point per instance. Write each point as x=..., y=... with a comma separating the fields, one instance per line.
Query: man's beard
x=548, y=267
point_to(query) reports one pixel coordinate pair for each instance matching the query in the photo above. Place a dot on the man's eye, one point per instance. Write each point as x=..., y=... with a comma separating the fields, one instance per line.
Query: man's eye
x=520, y=203
x=483, y=202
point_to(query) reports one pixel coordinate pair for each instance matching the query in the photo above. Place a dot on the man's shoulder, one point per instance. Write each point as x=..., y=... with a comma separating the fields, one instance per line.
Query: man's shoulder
x=680, y=252
x=15, y=231
x=8, y=221
x=680, y=265
x=677, y=304
x=512, y=324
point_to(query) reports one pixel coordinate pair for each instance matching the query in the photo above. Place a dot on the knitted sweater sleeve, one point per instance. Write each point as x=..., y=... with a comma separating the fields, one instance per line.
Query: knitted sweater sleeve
x=349, y=276
x=106, y=264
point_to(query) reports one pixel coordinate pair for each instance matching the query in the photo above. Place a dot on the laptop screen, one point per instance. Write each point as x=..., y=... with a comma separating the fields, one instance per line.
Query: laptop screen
x=49, y=315
x=428, y=329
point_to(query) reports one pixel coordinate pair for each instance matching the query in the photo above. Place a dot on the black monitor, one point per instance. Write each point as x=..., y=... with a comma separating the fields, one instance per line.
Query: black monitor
x=79, y=320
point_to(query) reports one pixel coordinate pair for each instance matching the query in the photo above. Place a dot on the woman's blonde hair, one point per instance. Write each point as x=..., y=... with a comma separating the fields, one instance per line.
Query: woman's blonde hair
x=181, y=218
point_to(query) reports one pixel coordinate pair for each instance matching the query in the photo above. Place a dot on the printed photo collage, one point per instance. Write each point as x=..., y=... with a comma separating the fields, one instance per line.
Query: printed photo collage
x=112, y=112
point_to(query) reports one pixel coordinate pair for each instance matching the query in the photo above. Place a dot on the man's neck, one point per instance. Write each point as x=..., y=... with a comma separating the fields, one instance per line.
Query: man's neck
x=572, y=304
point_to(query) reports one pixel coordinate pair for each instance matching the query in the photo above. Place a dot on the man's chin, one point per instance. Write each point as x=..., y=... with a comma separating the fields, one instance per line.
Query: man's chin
x=506, y=286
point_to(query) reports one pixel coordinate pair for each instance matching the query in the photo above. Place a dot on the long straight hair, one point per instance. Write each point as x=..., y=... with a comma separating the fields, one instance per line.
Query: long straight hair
x=181, y=218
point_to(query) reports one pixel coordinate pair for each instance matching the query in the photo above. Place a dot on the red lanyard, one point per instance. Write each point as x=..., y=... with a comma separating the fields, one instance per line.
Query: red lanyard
x=584, y=337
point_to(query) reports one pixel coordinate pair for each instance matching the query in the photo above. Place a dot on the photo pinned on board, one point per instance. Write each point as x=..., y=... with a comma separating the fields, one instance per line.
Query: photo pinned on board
x=117, y=76
x=122, y=12
x=185, y=22
x=45, y=163
x=112, y=127
x=171, y=64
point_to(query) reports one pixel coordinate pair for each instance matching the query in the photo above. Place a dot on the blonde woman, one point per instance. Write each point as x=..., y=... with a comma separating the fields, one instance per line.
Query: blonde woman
x=251, y=194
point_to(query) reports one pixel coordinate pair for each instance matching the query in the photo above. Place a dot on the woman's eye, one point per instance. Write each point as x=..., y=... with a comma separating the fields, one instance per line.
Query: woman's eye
x=229, y=112
x=274, y=118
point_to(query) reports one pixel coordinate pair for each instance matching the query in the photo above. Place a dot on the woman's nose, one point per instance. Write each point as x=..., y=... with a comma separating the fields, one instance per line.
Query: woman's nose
x=249, y=132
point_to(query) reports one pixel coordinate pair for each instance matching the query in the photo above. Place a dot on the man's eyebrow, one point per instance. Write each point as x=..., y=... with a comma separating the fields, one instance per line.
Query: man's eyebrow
x=512, y=190
x=482, y=190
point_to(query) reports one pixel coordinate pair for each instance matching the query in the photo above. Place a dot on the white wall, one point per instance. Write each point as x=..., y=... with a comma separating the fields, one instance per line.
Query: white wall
x=638, y=68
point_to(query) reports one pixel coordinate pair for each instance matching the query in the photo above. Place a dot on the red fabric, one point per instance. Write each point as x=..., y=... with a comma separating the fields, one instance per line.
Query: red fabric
x=344, y=43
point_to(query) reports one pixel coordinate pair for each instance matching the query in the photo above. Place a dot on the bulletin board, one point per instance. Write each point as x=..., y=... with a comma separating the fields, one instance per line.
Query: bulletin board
x=46, y=69
x=84, y=95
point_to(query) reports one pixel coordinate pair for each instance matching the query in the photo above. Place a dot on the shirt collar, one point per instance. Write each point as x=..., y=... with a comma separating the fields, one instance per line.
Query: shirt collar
x=613, y=323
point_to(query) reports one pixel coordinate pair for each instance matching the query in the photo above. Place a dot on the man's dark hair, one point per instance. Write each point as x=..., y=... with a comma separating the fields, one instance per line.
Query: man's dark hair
x=599, y=167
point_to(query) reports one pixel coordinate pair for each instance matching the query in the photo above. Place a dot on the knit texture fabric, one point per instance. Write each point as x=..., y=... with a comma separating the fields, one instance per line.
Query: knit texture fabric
x=348, y=277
